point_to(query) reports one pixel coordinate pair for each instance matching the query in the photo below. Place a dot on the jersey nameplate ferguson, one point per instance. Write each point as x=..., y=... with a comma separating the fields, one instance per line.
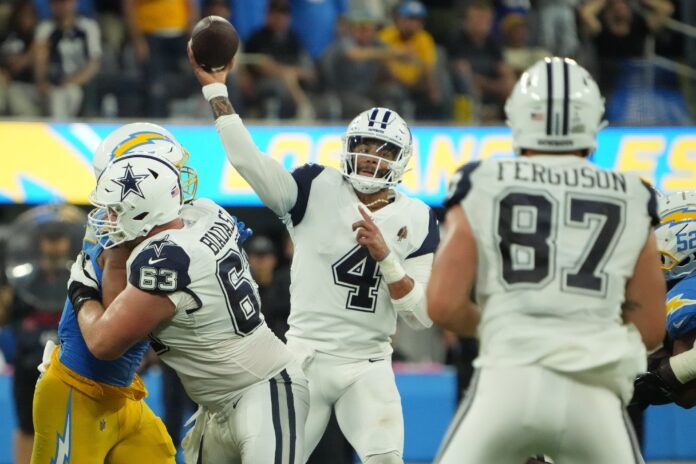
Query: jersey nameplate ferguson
x=569, y=176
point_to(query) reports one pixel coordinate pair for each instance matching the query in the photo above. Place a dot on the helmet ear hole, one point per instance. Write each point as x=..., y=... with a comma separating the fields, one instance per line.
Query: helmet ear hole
x=140, y=216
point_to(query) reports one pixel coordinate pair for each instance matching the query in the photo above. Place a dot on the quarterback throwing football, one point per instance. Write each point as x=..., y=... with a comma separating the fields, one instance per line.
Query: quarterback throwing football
x=363, y=254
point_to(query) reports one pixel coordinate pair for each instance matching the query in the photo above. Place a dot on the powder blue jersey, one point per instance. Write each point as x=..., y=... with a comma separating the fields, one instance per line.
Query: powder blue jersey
x=73, y=350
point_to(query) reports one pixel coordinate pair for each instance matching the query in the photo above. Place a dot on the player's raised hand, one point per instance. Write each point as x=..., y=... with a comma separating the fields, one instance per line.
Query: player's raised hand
x=205, y=77
x=369, y=235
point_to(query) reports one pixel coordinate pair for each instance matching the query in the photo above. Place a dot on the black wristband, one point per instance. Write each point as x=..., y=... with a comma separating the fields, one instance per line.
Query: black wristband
x=79, y=294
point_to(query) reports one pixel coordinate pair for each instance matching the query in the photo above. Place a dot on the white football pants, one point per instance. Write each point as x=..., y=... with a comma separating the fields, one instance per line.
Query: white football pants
x=262, y=425
x=364, y=396
x=509, y=414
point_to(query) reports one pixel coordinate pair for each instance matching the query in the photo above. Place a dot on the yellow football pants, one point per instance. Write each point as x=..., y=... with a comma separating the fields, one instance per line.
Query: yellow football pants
x=76, y=428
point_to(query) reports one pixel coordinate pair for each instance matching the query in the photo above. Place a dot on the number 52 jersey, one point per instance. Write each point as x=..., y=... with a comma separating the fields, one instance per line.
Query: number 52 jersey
x=557, y=240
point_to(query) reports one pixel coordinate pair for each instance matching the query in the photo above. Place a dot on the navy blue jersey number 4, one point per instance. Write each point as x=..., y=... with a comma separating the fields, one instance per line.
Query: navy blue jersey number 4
x=359, y=273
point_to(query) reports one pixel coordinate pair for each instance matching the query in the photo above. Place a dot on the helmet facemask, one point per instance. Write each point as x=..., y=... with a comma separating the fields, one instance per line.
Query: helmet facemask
x=188, y=177
x=385, y=168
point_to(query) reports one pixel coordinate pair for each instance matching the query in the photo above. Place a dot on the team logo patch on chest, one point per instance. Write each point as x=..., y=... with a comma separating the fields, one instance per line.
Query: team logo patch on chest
x=402, y=234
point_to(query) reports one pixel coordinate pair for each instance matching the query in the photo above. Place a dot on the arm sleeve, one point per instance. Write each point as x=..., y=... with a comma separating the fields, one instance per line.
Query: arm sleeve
x=94, y=50
x=413, y=308
x=271, y=182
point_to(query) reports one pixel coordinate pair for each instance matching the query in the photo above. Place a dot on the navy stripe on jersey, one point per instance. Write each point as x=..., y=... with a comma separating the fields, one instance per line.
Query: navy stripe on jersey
x=460, y=184
x=566, y=96
x=304, y=175
x=275, y=408
x=549, y=96
x=432, y=240
x=652, y=204
x=291, y=413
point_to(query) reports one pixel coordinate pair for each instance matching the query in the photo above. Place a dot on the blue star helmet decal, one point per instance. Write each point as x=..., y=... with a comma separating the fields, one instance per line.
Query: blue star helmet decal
x=130, y=182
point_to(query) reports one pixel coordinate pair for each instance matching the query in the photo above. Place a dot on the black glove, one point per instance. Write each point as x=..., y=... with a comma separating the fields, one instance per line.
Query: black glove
x=650, y=388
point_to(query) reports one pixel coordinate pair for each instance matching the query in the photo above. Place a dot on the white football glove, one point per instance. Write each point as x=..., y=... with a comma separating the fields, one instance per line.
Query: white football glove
x=83, y=284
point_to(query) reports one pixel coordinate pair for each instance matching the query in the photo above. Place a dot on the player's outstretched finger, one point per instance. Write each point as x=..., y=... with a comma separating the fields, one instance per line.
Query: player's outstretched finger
x=365, y=214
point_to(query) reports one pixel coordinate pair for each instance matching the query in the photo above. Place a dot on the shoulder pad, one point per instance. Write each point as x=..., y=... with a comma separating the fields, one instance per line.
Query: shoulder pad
x=460, y=184
x=161, y=266
x=432, y=238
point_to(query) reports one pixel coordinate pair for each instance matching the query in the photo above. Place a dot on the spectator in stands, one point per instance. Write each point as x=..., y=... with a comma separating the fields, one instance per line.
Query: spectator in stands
x=354, y=66
x=477, y=61
x=619, y=32
x=283, y=70
x=558, y=30
x=159, y=31
x=274, y=288
x=517, y=51
x=67, y=54
x=84, y=7
x=414, y=62
x=17, y=61
x=248, y=16
x=317, y=22
x=41, y=246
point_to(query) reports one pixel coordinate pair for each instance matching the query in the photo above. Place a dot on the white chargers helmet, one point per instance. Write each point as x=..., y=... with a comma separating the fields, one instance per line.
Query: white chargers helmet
x=147, y=138
x=676, y=234
x=134, y=194
x=555, y=107
x=392, y=132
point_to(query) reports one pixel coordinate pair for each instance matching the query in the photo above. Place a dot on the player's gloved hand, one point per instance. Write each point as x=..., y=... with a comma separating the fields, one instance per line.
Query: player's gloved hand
x=650, y=388
x=244, y=231
x=83, y=285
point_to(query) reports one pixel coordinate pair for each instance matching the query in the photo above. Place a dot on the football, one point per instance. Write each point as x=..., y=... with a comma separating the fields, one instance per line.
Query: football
x=214, y=42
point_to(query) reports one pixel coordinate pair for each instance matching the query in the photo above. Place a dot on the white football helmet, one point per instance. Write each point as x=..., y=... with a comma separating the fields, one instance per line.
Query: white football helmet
x=147, y=138
x=555, y=107
x=391, y=130
x=676, y=234
x=134, y=194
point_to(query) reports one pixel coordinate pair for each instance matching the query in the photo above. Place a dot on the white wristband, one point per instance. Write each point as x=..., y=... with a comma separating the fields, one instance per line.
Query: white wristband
x=684, y=365
x=391, y=269
x=215, y=90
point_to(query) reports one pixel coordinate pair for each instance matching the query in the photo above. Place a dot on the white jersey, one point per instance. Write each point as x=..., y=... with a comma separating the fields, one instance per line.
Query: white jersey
x=557, y=240
x=339, y=303
x=217, y=340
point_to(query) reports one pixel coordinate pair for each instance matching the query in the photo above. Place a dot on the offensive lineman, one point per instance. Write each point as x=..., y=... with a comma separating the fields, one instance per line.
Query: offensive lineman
x=190, y=291
x=566, y=273
x=79, y=395
x=353, y=271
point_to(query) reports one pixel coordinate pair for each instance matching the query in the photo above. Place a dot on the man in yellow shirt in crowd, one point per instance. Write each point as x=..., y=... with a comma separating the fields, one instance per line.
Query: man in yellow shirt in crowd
x=414, y=68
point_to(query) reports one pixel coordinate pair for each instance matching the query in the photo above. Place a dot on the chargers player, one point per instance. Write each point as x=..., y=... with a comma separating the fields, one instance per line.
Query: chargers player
x=354, y=271
x=91, y=410
x=565, y=268
x=672, y=370
x=191, y=292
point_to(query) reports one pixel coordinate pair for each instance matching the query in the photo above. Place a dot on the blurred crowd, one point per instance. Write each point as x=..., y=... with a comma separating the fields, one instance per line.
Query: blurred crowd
x=438, y=60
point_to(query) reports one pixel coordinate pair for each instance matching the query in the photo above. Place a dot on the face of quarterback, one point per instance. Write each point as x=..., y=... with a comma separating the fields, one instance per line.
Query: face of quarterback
x=367, y=165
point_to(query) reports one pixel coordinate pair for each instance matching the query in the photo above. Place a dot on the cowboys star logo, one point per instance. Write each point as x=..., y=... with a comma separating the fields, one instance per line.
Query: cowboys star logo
x=130, y=182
